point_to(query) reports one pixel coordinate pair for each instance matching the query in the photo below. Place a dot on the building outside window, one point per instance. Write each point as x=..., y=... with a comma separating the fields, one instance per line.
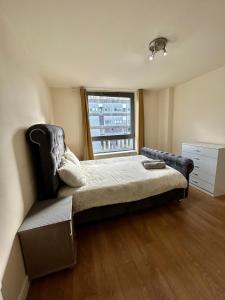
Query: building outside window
x=111, y=117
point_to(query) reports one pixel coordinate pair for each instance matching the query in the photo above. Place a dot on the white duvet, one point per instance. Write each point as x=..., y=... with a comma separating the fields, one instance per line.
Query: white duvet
x=123, y=179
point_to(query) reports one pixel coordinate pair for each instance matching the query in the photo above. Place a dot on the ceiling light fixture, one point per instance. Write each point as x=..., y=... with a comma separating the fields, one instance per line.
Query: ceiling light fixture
x=157, y=45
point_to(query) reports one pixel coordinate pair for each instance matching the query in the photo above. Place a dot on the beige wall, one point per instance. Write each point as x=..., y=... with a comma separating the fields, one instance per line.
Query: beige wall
x=199, y=110
x=151, y=118
x=158, y=108
x=24, y=100
x=67, y=114
x=193, y=111
x=165, y=119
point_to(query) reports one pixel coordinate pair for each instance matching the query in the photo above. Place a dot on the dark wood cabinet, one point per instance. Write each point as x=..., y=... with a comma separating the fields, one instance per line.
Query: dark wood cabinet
x=47, y=237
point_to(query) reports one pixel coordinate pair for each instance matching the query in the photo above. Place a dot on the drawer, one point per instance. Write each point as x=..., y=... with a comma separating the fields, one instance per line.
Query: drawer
x=202, y=184
x=209, y=152
x=199, y=174
x=202, y=163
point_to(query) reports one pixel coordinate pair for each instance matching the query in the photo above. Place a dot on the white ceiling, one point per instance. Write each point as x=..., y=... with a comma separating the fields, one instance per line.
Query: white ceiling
x=102, y=43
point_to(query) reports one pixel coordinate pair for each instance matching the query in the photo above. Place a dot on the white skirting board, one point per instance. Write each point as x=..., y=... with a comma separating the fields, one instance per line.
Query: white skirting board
x=24, y=289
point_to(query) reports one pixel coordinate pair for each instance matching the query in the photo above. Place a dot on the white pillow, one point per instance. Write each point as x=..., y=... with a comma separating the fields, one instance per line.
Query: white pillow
x=71, y=174
x=68, y=154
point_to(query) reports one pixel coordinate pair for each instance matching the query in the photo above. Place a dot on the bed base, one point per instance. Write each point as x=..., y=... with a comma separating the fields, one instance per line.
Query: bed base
x=110, y=211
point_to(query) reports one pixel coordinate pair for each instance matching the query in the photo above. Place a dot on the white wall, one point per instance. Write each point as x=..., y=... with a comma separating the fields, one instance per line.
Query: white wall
x=199, y=110
x=67, y=114
x=24, y=100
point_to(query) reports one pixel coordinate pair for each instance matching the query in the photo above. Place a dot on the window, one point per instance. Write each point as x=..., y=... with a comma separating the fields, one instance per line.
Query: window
x=111, y=117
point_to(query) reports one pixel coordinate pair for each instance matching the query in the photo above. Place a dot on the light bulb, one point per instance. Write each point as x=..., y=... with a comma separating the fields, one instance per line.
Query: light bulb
x=151, y=57
x=165, y=52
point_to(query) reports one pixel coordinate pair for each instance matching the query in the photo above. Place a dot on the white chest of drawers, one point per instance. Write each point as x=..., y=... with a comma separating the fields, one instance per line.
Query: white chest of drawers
x=209, y=166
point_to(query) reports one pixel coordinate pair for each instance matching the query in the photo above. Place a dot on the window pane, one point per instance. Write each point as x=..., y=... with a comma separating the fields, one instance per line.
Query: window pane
x=113, y=145
x=109, y=116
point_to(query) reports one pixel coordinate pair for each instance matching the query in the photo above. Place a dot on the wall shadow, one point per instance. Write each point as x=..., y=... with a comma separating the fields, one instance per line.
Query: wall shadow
x=25, y=168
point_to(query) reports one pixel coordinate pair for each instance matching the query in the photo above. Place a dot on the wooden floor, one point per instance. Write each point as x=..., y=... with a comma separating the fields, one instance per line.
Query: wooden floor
x=175, y=252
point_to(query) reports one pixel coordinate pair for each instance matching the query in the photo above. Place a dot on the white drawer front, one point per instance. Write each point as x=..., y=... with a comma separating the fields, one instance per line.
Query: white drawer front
x=191, y=148
x=200, y=174
x=204, y=164
x=202, y=184
x=209, y=152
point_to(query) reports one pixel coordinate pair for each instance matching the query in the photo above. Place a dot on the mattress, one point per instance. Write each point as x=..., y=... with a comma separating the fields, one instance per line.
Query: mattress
x=120, y=180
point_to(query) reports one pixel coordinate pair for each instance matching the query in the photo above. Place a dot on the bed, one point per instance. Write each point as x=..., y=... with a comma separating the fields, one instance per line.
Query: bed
x=114, y=186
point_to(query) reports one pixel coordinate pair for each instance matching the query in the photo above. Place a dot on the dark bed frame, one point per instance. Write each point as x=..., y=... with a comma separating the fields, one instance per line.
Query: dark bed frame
x=47, y=144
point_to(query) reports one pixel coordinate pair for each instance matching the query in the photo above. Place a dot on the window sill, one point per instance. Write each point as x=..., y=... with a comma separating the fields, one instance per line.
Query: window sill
x=115, y=154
